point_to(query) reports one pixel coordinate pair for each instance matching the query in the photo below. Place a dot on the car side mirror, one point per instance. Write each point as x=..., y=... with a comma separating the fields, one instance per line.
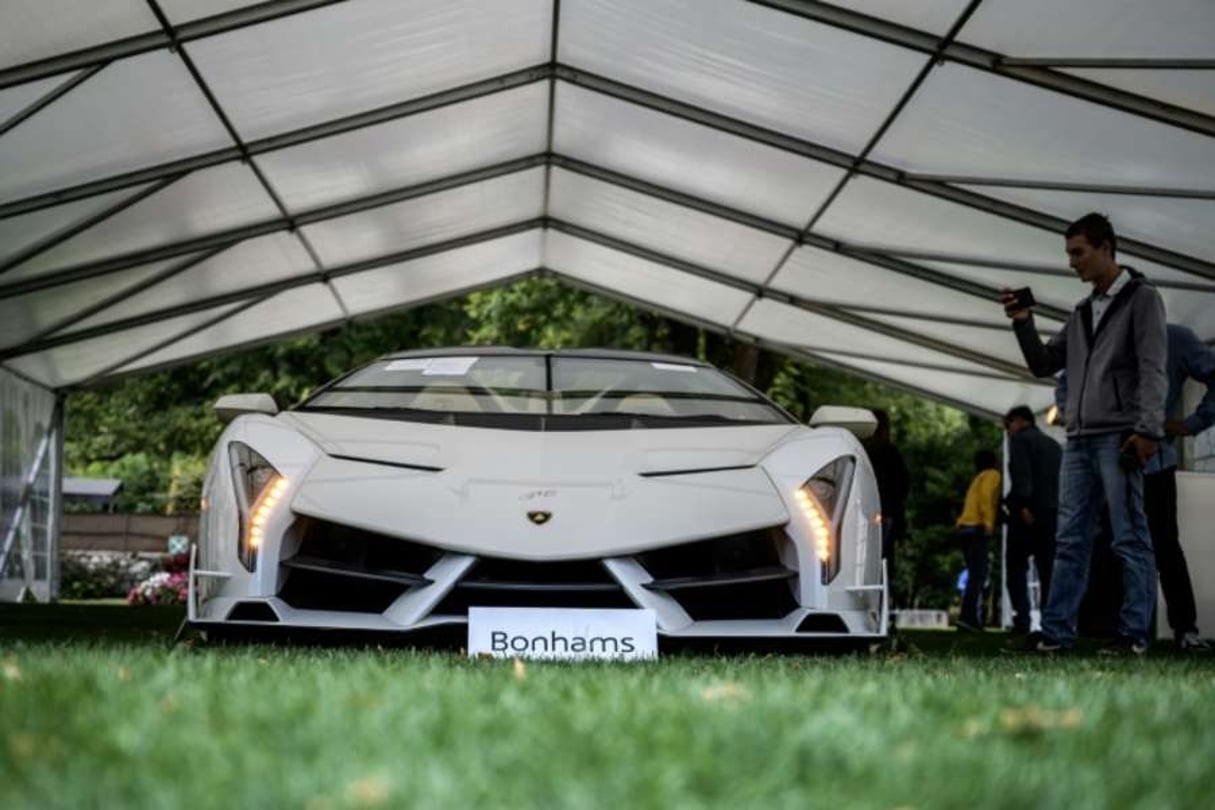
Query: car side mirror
x=230, y=406
x=858, y=421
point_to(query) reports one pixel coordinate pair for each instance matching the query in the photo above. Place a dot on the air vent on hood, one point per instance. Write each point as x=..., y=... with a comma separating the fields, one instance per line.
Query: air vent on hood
x=383, y=463
x=695, y=471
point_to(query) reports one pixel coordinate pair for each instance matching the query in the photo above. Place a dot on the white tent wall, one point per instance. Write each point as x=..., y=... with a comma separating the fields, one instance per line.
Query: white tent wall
x=31, y=453
x=849, y=182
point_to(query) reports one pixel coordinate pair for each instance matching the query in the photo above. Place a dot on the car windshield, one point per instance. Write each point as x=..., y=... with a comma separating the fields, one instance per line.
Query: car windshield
x=546, y=392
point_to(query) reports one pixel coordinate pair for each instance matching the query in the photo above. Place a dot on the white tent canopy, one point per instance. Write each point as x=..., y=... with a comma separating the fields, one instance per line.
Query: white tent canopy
x=849, y=182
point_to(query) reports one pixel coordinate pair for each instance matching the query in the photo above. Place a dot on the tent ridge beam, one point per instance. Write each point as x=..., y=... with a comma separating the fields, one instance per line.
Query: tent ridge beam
x=551, y=110
x=269, y=288
x=1111, y=63
x=154, y=40
x=991, y=62
x=1050, y=185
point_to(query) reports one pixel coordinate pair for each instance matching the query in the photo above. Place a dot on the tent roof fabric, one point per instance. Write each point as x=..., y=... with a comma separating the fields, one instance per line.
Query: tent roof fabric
x=849, y=182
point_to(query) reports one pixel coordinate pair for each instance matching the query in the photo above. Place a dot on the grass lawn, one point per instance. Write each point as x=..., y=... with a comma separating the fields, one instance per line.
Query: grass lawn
x=96, y=709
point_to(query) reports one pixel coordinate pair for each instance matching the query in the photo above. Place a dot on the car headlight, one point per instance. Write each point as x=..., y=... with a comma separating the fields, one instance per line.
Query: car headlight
x=822, y=500
x=259, y=488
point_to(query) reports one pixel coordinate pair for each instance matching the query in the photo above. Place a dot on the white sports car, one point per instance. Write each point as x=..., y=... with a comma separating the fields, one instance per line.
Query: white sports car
x=405, y=492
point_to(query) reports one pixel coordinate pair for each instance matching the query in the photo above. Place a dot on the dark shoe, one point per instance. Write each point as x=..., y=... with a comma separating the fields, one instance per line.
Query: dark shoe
x=1192, y=643
x=1132, y=647
x=1035, y=644
x=1047, y=646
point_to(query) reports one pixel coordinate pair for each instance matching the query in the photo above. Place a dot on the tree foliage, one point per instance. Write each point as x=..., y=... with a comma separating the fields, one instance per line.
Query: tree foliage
x=156, y=431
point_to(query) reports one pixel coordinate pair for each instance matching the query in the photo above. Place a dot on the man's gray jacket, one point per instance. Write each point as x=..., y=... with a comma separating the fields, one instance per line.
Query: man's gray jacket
x=1116, y=372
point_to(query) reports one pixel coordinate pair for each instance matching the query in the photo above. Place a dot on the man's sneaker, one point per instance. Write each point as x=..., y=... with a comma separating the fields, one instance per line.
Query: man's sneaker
x=1191, y=643
x=1133, y=647
x=1045, y=645
x=1034, y=644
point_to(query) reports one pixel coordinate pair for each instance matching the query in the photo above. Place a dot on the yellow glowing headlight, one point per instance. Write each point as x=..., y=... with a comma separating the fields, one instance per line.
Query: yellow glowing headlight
x=263, y=507
x=820, y=526
x=821, y=499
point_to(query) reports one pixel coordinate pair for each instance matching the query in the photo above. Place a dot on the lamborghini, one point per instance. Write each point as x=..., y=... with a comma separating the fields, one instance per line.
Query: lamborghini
x=427, y=484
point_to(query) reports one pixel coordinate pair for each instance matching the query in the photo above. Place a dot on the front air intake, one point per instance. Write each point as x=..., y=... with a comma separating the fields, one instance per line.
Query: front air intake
x=737, y=576
x=347, y=569
x=498, y=582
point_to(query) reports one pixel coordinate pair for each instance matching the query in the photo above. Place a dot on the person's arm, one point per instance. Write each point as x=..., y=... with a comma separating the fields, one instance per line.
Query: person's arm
x=1151, y=350
x=1043, y=359
x=1198, y=363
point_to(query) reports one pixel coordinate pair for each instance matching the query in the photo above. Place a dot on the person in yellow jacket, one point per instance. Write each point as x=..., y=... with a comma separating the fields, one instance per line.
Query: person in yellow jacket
x=976, y=524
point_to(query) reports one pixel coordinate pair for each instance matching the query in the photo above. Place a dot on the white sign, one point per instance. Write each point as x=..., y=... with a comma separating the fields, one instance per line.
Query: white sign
x=563, y=633
x=411, y=364
x=453, y=366
x=434, y=366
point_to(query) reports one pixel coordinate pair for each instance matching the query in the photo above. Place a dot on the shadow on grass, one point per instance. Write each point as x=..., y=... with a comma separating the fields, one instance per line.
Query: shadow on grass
x=108, y=622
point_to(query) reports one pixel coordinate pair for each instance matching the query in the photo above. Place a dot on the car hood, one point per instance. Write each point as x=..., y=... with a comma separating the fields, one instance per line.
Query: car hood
x=605, y=492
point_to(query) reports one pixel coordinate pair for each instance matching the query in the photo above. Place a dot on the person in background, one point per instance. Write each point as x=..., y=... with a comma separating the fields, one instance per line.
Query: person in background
x=1114, y=349
x=975, y=525
x=892, y=482
x=1033, y=503
x=1189, y=358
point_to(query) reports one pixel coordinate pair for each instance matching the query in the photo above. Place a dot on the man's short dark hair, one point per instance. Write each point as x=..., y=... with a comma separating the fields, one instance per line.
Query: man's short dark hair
x=1020, y=412
x=986, y=460
x=1095, y=228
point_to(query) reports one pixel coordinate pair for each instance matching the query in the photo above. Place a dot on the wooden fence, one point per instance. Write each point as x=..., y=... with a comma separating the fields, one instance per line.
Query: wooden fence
x=111, y=532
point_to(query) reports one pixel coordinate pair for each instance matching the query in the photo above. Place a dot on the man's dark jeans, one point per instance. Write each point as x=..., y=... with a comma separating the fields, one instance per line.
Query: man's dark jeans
x=974, y=547
x=1160, y=503
x=1025, y=541
x=1091, y=467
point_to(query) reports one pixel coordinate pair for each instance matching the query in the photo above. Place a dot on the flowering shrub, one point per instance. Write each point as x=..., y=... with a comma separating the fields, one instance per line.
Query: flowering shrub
x=162, y=588
x=101, y=574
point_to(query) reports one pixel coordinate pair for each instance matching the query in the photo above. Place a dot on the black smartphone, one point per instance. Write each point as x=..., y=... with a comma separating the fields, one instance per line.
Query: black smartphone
x=1022, y=299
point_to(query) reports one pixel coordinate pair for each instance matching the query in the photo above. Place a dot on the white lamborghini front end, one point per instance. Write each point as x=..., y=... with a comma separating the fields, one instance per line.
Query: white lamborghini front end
x=403, y=495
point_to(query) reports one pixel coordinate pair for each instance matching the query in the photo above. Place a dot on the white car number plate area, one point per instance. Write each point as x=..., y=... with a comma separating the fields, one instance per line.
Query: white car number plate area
x=563, y=633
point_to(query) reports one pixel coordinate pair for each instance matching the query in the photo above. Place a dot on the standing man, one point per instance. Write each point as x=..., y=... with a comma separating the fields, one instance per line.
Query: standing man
x=1188, y=358
x=1033, y=503
x=1113, y=347
x=892, y=482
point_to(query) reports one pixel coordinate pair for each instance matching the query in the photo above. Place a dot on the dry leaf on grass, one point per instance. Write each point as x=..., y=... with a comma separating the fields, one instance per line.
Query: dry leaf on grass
x=725, y=692
x=1031, y=719
x=370, y=791
x=520, y=670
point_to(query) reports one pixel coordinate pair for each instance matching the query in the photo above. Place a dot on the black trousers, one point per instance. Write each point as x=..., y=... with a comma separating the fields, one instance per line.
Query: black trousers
x=1160, y=503
x=1025, y=541
x=973, y=540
